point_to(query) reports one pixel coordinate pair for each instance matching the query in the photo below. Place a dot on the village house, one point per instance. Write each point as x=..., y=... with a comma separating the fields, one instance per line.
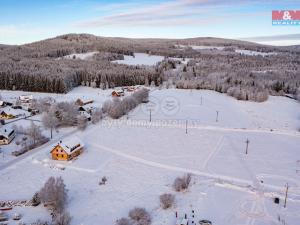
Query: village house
x=26, y=98
x=67, y=149
x=2, y=103
x=6, y=135
x=117, y=93
x=6, y=116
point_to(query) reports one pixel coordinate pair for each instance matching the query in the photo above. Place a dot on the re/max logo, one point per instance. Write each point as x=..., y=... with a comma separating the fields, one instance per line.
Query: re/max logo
x=286, y=17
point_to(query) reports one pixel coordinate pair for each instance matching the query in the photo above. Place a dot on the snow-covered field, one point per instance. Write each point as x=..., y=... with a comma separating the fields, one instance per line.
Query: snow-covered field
x=82, y=56
x=240, y=51
x=140, y=59
x=141, y=159
x=254, y=53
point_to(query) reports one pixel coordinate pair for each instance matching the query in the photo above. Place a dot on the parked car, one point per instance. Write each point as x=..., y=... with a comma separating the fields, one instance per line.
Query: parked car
x=205, y=222
x=17, y=107
x=17, y=216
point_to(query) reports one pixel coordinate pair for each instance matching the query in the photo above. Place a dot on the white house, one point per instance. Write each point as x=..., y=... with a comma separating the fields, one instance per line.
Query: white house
x=6, y=135
x=26, y=98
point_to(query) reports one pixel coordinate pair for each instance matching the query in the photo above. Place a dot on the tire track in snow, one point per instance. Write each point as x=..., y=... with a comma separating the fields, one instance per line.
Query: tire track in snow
x=214, y=152
x=221, y=180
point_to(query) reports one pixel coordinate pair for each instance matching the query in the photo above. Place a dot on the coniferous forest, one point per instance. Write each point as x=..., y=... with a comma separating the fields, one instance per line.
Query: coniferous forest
x=42, y=67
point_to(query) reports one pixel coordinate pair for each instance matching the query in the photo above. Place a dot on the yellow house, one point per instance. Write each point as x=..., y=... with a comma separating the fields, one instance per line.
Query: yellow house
x=67, y=150
x=6, y=116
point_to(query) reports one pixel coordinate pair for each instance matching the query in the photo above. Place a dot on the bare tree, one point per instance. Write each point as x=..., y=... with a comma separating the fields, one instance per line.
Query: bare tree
x=124, y=221
x=96, y=116
x=182, y=183
x=166, y=200
x=54, y=193
x=50, y=120
x=35, y=133
x=141, y=216
x=63, y=218
x=82, y=122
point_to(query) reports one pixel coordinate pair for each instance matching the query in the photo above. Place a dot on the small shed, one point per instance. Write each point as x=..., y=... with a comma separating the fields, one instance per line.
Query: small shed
x=66, y=150
x=6, y=135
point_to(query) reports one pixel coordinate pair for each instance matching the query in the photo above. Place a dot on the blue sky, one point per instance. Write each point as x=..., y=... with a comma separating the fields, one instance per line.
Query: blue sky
x=23, y=21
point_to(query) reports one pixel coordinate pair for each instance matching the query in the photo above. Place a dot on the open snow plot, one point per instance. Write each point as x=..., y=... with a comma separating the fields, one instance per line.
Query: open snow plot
x=202, y=107
x=254, y=53
x=140, y=59
x=204, y=47
x=141, y=160
x=200, y=47
x=141, y=163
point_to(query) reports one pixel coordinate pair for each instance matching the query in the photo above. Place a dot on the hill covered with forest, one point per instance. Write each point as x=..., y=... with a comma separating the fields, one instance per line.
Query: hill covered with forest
x=245, y=70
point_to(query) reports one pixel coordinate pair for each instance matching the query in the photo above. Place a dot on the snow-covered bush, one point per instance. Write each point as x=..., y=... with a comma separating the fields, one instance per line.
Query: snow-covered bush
x=96, y=116
x=117, y=108
x=140, y=215
x=124, y=221
x=167, y=200
x=82, y=122
x=182, y=183
x=40, y=222
x=63, y=218
x=54, y=193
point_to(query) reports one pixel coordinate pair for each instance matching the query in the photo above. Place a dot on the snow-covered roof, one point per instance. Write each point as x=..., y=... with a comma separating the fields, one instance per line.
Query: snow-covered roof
x=5, y=132
x=71, y=144
x=85, y=114
x=26, y=97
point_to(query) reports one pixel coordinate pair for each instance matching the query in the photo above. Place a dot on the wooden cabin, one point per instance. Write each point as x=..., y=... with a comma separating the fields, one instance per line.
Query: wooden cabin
x=6, y=136
x=67, y=149
x=6, y=116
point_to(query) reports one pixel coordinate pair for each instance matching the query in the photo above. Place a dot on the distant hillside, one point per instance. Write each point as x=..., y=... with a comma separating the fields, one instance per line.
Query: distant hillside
x=239, y=68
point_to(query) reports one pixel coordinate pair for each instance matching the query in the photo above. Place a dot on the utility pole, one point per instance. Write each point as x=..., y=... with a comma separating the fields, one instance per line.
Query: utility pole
x=186, y=126
x=286, y=194
x=217, y=118
x=247, y=144
x=201, y=100
x=150, y=116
